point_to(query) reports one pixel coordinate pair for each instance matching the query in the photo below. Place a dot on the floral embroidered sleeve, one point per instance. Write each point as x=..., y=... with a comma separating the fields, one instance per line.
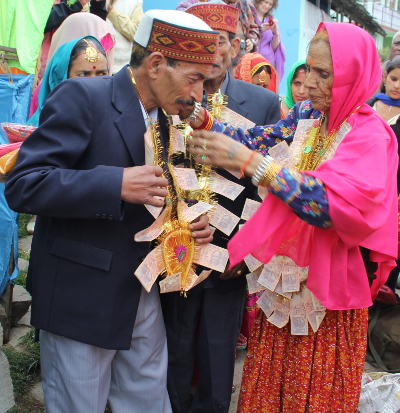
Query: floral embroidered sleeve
x=305, y=195
x=261, y=138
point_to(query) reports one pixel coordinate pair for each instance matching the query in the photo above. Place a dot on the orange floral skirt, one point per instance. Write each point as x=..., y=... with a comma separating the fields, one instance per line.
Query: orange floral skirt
x=318, y=373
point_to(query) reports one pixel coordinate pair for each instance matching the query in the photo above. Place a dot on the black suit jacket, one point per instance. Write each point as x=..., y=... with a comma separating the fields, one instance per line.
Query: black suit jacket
x=69, y=173
x=261, y=106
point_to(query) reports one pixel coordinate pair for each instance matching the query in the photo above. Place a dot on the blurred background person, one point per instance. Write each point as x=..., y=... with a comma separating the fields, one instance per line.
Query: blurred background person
x=69, y=60
x=270, y=46
x=124, y=16
x=295, y=90
x=387, y=104
x=256, y=69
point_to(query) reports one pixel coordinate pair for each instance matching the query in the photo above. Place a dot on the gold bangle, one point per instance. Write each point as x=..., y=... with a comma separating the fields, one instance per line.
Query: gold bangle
x=269, y=174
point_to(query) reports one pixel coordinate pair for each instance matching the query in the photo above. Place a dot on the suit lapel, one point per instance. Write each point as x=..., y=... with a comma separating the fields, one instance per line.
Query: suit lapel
x=130, y=123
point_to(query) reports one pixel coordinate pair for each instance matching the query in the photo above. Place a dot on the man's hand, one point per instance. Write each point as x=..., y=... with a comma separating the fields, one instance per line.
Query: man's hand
x=142, y=184
x=201, y=230
x=237, y=271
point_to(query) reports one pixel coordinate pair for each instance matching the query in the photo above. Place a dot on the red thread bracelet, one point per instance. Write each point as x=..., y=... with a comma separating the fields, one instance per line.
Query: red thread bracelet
x=246, y=163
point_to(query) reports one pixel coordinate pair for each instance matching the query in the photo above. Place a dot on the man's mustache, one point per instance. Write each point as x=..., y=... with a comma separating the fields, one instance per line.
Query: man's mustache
x=190, y=102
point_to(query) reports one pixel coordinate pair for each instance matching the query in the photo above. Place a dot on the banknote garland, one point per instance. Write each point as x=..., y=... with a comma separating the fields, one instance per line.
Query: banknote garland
x=281, y=283
x=191, y=192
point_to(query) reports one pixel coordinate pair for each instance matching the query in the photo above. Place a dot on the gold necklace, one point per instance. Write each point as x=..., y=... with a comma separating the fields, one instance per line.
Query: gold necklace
x=317, y=144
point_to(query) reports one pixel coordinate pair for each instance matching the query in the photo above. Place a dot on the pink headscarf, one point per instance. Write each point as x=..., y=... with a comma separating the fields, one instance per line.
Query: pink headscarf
x=360, y=181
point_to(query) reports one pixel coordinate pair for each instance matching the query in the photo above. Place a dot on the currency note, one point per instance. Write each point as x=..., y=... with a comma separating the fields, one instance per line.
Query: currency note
x=299, y=325
x=270, y=276
x=203, y=275
x=290, y=279
x=236, y=120
x=177, y=141
x=307, y=300
x=155, y=211
x=316, y=304
x=262, y=192
x=279, y=319
x=224, y=220
x=265, y=302
x=315, y=319
x=189, y=214
x=253, y=285
x=151, y=267
x=236, y=174
x=225, y=187
x=279, y=290
x=186, y=178
x=279, y=152
x=250, y=207
x=252, y=263
x=190, y=280
x=211, y=256
x=153, y=231
x=303, y=274
x=171, y=283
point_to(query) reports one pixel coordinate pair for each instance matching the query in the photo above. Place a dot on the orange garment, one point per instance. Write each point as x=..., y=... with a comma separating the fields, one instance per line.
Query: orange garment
x=248, y=66
x=320, y=372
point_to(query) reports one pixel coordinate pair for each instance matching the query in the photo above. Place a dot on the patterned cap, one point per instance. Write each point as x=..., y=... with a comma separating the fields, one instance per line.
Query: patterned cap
x=173, y=34
x=217, y=16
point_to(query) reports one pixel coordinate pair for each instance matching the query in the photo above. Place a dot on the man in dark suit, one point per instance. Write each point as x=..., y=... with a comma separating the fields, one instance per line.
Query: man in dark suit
x=207, y=322
x=83, y=173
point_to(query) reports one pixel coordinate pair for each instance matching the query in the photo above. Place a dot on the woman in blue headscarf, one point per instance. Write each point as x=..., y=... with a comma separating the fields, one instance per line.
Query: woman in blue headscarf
x=84, y=56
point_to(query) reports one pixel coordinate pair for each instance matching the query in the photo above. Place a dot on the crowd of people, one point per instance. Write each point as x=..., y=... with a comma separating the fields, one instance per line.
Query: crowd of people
x=102, y=166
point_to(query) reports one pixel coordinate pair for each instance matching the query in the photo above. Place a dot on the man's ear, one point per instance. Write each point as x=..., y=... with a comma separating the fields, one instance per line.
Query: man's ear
x=235, y=47
x=153, y=63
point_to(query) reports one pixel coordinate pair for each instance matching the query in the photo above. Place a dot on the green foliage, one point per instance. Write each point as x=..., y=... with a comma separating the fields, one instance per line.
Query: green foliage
x=24, y=367
x=21, y=279
x=384, y=53
x=22, y=223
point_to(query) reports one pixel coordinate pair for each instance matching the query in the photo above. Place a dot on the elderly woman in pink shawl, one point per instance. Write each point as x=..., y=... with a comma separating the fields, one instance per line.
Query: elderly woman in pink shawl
x=325, y=234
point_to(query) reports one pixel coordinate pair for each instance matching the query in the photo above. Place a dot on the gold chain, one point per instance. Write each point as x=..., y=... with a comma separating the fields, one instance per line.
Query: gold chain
x=317, y=145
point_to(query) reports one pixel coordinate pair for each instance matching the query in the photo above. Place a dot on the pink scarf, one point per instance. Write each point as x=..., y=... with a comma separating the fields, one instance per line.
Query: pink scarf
x=360, y=181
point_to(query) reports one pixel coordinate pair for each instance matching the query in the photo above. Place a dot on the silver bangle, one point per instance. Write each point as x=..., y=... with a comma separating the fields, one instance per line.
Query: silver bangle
x=193, y=116
x=262, y=166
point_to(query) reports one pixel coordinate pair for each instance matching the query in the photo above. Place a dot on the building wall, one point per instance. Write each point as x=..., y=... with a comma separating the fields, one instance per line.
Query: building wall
x=298, y=22
x=290, y=16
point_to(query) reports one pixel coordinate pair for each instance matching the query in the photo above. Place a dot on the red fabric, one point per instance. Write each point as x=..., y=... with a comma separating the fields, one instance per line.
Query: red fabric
x=217, y=16
x=360, y=181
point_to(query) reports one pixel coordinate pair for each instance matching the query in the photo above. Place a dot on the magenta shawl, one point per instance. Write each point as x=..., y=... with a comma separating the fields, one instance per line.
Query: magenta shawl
x=360, y=181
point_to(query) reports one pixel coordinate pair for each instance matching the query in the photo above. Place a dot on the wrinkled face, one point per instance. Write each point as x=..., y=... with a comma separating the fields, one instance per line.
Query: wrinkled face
x=261, y=79
x=395, y=47
x=265, y=6
x=225, y=53
x=299, y=91
x=80, y=67
x=319, y=80
x=176, y=87
x=392, y=83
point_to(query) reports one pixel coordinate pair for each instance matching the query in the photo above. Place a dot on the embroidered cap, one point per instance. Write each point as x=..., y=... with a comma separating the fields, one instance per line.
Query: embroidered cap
x=217, y=16
x=174, y=34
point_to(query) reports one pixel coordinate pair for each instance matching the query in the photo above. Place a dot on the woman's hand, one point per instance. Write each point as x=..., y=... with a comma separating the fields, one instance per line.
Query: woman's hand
x=212, y=148
x=275, y=27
